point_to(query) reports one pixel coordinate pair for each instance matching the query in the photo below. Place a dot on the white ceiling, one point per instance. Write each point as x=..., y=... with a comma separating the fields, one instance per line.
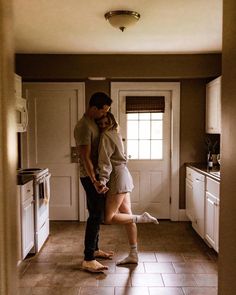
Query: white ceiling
x=79, y=27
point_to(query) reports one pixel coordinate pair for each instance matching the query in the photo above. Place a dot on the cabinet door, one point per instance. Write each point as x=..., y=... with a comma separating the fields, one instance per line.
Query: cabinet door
x=217, y=217
x=189, y=199
x=198, y=205
x=212, y=221
x=213, y=106
x=27, y=227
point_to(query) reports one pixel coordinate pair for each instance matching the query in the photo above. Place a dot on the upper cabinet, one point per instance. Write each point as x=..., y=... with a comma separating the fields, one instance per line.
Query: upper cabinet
x=18, y=86
x=21, y=107
x=213, y=106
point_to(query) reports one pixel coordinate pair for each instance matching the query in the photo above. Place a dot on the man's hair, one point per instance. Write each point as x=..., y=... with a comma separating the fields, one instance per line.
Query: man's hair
x=99, y=99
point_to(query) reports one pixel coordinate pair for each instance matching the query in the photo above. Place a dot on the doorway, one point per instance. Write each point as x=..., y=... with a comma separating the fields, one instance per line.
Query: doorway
x=119, y=90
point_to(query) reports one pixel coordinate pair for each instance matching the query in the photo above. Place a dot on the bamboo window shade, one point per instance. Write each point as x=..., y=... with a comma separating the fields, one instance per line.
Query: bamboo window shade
x=145, y=104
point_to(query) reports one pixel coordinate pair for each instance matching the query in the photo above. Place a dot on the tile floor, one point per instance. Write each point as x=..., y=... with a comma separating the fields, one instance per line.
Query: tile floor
x=173, y=261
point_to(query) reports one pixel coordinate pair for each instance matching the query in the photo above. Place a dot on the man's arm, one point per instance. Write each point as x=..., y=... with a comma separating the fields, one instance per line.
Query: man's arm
x=85, y=155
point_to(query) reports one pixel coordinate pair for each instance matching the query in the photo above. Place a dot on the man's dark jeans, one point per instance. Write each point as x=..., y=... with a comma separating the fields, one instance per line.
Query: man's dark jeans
x=96, y=208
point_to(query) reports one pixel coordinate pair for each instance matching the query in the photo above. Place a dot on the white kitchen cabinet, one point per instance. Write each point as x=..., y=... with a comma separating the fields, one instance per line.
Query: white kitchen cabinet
x=195, y=193
x=213, y=106
x=189, y=198
x=18, y=85
x=27, y=218
x=212, y=203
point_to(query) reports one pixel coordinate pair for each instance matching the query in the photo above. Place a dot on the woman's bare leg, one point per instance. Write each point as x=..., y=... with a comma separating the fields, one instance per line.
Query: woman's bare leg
x=112, y=215
x=131, y=229
x=113, y=211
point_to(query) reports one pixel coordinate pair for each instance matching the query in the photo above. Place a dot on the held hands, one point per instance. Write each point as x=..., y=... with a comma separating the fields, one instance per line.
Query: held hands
x=100, y=188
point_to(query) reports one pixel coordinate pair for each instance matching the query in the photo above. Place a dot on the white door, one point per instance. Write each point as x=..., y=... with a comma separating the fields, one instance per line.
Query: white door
x=150, y=172
x=54, y=109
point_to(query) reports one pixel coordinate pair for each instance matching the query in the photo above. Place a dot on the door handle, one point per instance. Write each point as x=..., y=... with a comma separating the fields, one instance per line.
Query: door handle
x=74, y=155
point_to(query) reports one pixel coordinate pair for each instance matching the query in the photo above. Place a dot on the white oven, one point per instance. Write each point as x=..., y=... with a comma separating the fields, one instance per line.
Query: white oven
x=41, y=195
x=21, y=114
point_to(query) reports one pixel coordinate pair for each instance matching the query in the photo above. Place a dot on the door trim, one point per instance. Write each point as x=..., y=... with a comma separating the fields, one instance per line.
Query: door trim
x=174, y=88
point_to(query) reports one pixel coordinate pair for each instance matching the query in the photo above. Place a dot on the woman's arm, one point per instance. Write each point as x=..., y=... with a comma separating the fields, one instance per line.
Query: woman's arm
x=85, y=152
x=105, y=151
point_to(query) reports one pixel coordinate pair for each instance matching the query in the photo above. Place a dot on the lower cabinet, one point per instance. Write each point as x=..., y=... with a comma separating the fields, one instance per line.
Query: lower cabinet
x=212, y=208
x=195, y=194
x=202, y=206
x=27, y=225
x=26, y=219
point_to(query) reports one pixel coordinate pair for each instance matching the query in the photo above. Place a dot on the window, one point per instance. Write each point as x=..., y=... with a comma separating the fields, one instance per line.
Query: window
x=145, y=127
x=145, y=136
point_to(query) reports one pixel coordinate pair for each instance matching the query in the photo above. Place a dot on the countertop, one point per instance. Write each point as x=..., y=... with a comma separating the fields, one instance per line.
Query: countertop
x=202, y=168
x=23, y=178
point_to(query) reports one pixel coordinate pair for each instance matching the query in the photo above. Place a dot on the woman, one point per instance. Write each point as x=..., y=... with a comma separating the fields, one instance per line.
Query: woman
x=113, y=173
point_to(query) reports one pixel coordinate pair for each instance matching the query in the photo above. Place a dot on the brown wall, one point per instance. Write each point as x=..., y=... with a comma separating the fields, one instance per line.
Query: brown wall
x=227, y=257
x=192, y=127
x=181, y=67
x=74, y=67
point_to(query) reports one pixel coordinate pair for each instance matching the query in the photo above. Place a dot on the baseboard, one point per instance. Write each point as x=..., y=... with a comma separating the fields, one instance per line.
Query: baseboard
x=182, y=215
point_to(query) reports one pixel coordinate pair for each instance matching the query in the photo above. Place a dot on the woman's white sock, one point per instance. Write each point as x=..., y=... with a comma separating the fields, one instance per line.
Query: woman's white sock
x=132, y=258
x=145, y=218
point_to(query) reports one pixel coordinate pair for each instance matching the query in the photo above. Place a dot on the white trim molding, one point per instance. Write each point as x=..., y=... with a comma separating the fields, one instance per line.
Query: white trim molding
x=182, y=215
x=174, y=88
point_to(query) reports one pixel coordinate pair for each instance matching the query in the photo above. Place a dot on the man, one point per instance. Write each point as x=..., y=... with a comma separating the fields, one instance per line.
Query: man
x=87, y=136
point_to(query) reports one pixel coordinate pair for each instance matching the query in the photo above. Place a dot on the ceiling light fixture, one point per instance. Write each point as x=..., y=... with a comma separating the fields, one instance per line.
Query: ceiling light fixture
x=122, y=18
x=97, y=78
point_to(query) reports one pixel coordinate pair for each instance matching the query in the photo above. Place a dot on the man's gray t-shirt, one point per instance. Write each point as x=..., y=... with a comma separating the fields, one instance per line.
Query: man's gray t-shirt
x=86, y=132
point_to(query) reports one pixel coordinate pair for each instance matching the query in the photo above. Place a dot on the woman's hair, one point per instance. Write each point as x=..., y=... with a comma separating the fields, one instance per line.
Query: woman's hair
x=113, y=125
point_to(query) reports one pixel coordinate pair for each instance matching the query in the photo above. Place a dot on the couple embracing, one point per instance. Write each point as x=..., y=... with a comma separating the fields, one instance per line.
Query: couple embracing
x=106, y=180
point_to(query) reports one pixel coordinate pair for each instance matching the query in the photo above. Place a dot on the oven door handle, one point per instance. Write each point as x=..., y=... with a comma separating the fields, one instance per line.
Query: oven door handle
x=40, y=180
x=43, y=178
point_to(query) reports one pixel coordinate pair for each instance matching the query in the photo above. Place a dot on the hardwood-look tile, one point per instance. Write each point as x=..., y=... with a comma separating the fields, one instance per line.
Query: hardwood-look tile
x=147, y=256
x=173, y=260
x=24, y=291
x=131, y=291
x=41, y=268
x=188, y=267
x=97, y=291
x=199, y=291
x=178, y=280
x=197, y=257
x=206, y=280
x=30, y=280
x=130, y=268
x=210, y=267
x=70, y=279
x=159, y=267
x=55, y=291
x=53, y=257
x=169, y=257
x=146, y=280
x=115, y=280
x=165, y=291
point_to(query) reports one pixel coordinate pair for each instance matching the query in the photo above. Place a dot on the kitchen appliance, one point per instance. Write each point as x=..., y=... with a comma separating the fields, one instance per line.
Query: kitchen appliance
x=41, y=192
